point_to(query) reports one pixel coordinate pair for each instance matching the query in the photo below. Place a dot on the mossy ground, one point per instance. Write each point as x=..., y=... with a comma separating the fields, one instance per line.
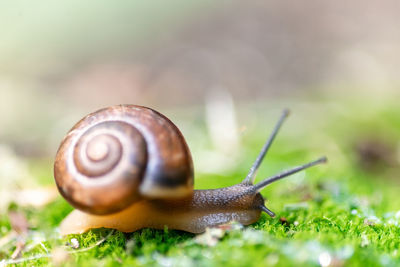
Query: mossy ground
x=346, y=213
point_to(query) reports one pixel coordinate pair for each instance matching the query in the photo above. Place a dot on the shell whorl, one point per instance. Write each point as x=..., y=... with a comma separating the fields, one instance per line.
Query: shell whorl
x=120, y=154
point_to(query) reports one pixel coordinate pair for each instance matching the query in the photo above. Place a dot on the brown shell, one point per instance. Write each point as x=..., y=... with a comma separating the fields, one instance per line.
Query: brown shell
x=117, y=155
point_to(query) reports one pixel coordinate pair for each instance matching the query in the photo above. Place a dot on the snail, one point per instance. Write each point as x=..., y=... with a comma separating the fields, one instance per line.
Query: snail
x=128, y=167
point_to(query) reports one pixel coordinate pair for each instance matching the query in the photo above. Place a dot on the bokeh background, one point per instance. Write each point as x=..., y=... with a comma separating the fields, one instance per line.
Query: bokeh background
x=220, y=70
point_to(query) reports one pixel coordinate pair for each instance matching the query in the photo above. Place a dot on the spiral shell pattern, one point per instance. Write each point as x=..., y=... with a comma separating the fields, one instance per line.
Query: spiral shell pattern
x=119, y=155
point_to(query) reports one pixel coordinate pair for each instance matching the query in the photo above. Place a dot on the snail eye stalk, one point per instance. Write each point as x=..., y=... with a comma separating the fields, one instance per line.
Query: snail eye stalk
x=249, y=180
x=253, y=170
x=264, y=183
x=257, y=187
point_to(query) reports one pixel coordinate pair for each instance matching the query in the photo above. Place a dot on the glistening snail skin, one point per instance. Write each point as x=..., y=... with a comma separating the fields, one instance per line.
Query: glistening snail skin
x=188, y=210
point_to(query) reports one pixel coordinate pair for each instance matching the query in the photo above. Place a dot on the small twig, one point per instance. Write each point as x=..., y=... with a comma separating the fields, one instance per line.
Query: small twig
x=40, y=256
x=18, y=249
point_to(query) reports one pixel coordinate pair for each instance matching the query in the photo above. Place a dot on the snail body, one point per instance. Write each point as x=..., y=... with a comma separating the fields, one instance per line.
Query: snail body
x=128, y=167
x=205, y=208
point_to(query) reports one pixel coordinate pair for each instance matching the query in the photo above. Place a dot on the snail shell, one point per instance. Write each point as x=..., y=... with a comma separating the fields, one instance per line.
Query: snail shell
x=118, y=155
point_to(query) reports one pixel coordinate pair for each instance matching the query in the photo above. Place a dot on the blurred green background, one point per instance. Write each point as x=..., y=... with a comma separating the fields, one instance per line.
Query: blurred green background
x=222, y=71
x=59, y=61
